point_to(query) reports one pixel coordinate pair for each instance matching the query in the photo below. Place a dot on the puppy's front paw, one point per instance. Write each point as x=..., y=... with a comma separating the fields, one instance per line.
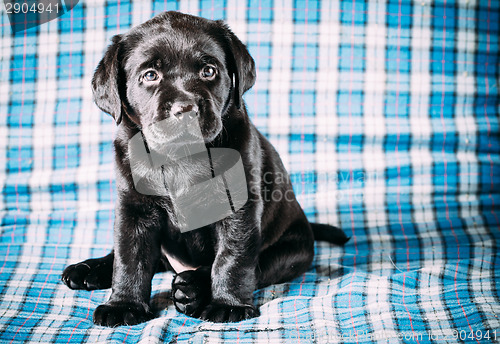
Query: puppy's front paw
x=215, y=312
x=113, y=315
x=191, y=291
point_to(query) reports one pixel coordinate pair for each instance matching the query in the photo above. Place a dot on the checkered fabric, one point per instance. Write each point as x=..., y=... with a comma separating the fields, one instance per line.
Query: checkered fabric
x=386, y=115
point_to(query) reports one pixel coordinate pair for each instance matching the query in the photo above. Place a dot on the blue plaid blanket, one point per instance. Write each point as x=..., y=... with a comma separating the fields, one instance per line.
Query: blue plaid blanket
x=386, y=115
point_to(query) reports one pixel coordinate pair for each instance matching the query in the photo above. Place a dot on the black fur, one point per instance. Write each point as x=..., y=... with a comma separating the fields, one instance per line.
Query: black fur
x=267, y=241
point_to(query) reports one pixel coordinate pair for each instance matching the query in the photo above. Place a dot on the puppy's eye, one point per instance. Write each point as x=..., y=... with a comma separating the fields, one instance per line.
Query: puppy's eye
x=208, y=72
x=150, y=76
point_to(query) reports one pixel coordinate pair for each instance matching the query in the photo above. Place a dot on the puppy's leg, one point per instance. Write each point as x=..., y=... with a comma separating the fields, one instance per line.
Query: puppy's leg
x=288, y=258
x=233, y=272
x=90, y=274
x=136, y=256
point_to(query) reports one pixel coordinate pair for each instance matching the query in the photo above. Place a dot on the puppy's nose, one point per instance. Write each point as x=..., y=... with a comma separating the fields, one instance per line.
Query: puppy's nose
x=179, y=110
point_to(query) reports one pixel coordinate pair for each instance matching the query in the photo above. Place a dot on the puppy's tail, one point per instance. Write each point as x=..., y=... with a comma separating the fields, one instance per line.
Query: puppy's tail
x=329, y=233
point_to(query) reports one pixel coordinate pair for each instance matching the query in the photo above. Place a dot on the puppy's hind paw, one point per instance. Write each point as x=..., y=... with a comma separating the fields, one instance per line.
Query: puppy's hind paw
x=191, y=291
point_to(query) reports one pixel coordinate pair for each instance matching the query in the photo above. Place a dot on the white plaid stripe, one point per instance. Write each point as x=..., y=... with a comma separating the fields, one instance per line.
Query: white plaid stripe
x=141, y=11
x=326, y=118
x=191, y=7
x=280, y=78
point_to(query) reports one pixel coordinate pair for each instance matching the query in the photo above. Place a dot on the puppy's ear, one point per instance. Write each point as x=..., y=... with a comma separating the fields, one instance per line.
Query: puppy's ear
x=241, y=65
x=105, y=87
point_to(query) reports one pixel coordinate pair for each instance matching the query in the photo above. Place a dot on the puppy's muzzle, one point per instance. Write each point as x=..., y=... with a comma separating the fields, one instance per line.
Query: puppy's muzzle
x=181, y=109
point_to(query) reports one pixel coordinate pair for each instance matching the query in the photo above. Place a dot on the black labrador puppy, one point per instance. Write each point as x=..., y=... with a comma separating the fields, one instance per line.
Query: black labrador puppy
x=171, y=65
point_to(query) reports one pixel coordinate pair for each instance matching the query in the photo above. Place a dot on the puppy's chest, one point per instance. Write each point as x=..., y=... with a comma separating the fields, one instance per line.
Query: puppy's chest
x=180, y=177
x=171, y=180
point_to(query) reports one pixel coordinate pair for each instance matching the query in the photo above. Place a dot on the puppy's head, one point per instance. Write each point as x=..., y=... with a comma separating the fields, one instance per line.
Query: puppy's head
x=172, y=66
